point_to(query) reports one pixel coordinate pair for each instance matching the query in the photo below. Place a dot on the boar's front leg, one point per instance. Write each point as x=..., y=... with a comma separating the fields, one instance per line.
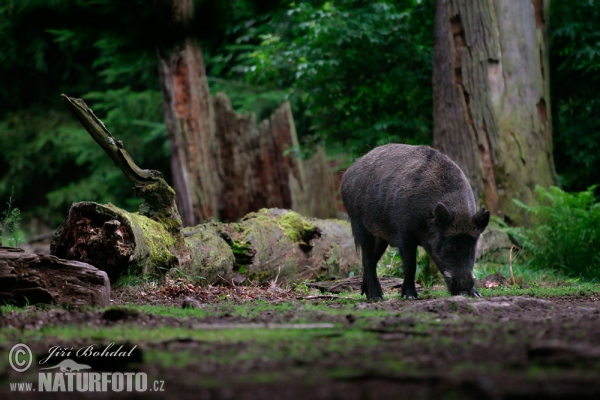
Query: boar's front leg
x=372, y=249
x=408, y=252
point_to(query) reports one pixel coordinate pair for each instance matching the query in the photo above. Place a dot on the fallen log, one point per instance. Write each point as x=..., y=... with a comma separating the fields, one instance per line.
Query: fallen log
x=27, y=278
x=265, y=246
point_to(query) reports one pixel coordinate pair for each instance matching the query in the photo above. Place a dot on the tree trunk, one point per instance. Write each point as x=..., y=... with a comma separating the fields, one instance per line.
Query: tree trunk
x=319, y=187
x=27, y=278
x=492, y=99
x=190, y=120
x=259, y=168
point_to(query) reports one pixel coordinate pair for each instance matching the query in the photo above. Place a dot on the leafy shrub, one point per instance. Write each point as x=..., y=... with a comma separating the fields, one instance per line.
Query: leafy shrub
x=565, y=233
x=361, y=71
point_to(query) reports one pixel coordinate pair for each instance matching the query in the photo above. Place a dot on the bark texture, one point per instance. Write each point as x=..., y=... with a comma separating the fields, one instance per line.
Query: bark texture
x=259, y=169
x=190, y=121
x=491, y=98
x=27, y=278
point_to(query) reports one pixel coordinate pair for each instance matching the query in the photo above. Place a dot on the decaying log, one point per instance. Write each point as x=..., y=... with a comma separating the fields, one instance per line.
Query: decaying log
x=281, y=245
x=27, y=278
x=115, y=240
x=271, y=244
x=319, y=186
x=264, y=246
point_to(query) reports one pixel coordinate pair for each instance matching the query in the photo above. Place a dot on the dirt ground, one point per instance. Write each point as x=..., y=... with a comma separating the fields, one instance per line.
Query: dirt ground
x=238, y=347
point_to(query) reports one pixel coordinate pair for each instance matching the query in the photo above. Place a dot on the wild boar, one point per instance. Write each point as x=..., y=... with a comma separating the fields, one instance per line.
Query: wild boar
x=408, y=196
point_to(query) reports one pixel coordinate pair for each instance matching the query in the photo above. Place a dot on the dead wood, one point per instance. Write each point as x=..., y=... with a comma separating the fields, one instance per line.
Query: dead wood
x=27, y=278
x=272, y=245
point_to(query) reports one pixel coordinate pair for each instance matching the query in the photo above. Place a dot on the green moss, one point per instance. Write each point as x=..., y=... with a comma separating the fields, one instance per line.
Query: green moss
x=240, y=248
x=211, y=256
x=295, y=226
x=158, y=239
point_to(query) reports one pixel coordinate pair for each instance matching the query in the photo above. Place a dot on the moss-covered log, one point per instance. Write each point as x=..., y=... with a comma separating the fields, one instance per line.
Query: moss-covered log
x=268, y=245
x=275, y=244
x=271, y=244
x=115, y=240
x=264, y=246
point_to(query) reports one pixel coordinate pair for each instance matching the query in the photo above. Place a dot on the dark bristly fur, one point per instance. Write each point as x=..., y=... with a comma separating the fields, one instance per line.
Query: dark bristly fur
x=409, y=196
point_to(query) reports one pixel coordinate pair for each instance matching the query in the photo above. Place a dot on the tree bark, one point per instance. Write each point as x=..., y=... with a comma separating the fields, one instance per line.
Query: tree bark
x=27, y=278
x=492, y=99
x=259, y=168
x=319, y=186
x=190, y=120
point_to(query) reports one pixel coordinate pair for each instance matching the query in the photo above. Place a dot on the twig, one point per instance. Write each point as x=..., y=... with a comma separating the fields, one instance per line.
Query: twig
x=274, y=282
x=230, y=282
x=510, y=261
x=324, y=296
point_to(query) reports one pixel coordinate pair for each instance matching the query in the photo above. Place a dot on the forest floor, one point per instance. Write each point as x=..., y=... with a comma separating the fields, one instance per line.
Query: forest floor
x=254, y=343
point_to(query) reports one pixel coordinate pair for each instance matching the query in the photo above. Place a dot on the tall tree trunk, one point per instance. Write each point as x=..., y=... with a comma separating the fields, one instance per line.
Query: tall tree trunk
x=189, y=117
x=492, y=98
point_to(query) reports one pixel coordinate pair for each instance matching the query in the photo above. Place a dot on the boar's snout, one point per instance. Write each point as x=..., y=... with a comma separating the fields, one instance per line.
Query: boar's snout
x=461, y=284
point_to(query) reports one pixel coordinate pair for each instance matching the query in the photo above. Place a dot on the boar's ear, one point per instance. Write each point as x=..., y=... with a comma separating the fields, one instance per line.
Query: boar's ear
x=442, y=215
x=481, y=219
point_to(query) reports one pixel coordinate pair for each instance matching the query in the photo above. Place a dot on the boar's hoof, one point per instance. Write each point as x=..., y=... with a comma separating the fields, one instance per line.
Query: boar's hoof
x=411, y=294
x=475, y=293
x=374, y=299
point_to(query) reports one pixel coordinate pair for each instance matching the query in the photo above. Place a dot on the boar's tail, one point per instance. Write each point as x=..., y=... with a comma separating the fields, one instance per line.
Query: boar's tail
x=359, y=236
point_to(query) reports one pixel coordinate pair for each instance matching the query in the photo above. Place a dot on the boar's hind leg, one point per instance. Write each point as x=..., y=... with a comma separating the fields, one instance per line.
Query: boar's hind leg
x=408, y=252
x=372, y=249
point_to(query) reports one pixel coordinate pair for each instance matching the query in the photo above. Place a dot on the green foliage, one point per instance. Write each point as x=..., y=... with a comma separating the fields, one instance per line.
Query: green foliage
x=248, y=98
x=11, y=218
x=390, y=263
x=426, y=275
x=66, y=46
x=565, y=233
x=574, y=79
x=52, y=161
x=357, y=72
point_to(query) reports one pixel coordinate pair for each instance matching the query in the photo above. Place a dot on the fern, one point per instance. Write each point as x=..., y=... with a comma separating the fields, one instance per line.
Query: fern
x=565, y=233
